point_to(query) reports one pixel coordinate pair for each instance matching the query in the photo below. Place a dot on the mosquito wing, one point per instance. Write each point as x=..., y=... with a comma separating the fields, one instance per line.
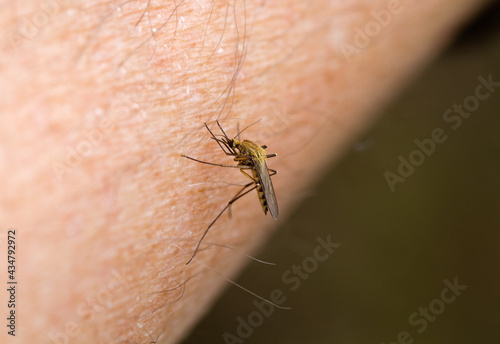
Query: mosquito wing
x=267, y=186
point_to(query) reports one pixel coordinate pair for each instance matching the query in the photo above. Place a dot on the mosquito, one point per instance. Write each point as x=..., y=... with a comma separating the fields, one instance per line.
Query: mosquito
x=249, y=156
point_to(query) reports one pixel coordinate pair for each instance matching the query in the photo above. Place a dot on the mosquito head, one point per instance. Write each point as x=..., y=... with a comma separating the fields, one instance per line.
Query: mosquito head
x=234, y=143
x=231, y=143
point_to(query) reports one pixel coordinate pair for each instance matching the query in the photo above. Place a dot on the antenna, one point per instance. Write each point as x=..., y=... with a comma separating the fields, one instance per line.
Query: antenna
x=239, y=132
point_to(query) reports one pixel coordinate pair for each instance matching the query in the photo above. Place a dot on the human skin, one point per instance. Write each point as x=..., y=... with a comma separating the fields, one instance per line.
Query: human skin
x=100, y=101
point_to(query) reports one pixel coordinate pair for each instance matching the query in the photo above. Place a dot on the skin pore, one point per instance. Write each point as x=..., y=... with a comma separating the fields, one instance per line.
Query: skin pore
x=101, y=99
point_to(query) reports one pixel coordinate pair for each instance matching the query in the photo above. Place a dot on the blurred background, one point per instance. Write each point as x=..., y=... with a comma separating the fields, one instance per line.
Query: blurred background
x=396, y=248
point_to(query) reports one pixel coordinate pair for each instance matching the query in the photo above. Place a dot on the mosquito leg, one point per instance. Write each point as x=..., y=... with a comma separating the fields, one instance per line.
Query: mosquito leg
x=254, y=181
x=220, y=165
x=231, y=150
x=229, y=205
x=218, y=123
x=234, y=199
x=220, y=142
x=240, y=157
x=249, y=176
x=210, y=131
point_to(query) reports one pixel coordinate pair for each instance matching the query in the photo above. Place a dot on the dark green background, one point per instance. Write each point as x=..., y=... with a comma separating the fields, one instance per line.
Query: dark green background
x=396, y=248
